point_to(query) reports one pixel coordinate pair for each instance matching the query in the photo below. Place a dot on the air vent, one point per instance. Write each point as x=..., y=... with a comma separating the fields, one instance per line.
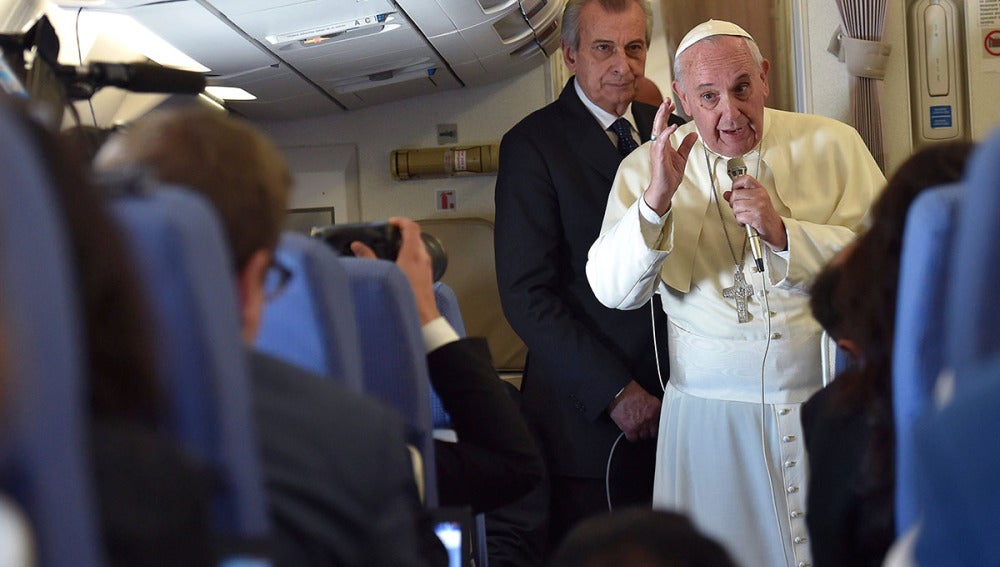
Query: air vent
x=544, y=34
x=494, y=6
x=527, y=50
x=530, y=13
x=512, y=27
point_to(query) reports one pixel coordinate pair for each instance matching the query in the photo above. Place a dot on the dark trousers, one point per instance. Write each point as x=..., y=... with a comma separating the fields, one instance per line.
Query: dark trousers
x=572, y=500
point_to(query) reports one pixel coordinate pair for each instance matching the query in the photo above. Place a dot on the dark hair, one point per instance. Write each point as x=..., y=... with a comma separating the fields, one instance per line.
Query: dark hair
x=226, y=158
x=855, y=298
x=121, y=375
x=639, y=538
x=865, y=298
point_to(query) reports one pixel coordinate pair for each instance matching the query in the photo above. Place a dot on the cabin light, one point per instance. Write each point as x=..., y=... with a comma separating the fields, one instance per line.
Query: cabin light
x=127, y=32
x=230, y=93
x=415, y=69
x=212, y=101
x=324, y=32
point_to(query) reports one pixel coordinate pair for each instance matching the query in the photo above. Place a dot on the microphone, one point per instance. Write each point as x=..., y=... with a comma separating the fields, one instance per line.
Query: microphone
x=135, y=77
x=735, y=168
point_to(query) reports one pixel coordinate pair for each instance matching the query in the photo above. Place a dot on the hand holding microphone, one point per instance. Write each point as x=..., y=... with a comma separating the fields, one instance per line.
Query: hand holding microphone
x=735, y=167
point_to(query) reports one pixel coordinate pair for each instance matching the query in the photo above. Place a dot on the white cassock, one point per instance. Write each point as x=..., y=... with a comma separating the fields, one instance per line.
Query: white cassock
x=729, y=379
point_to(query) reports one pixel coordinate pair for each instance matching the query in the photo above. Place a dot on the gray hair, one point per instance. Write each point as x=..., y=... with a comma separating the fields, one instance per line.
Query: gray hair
x=570, y=32
x=751, y=45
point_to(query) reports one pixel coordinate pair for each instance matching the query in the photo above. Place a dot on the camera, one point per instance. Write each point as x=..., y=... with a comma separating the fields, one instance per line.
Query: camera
x=383, y=238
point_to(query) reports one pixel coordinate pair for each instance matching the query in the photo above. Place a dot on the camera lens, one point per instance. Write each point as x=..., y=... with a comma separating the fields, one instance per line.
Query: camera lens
x=439, y=260
x=383, y=239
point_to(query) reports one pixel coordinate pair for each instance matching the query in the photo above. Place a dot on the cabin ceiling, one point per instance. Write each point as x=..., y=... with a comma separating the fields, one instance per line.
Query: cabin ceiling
x=312, y=57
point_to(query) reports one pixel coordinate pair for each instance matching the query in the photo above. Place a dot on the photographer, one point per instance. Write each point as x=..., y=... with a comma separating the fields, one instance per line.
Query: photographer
x=495, y=460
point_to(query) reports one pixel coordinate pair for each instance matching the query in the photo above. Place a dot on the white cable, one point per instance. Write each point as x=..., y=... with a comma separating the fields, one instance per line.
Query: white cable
x=656, y=347
x=663, y=385
x=763, y=407
x=607, y=470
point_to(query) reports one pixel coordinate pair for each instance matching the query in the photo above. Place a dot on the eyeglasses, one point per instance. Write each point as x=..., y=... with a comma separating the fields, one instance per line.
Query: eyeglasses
x=276, y=279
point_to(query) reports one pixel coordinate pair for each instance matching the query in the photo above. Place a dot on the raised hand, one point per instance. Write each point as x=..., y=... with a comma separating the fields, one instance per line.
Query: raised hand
x=667, y=163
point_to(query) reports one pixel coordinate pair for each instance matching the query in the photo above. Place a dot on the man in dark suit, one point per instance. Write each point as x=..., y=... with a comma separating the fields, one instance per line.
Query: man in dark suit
x=591, y=374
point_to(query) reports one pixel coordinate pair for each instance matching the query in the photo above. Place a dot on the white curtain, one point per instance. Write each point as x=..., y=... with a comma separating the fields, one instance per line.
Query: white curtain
x=862, y=24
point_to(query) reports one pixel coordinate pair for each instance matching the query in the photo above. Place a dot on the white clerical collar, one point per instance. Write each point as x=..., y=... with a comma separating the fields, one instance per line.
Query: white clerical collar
x=715, y=156
x=604, y=117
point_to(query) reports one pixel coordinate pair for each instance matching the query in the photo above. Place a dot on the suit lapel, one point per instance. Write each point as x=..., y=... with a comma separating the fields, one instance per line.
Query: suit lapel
x=585, y=137
x=643, y=114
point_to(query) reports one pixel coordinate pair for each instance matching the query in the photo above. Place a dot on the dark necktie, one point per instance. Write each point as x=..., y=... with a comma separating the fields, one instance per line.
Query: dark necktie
x=626, y=143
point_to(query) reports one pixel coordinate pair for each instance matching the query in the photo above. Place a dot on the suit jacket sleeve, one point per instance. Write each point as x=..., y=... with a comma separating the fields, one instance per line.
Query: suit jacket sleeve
x=496, y=460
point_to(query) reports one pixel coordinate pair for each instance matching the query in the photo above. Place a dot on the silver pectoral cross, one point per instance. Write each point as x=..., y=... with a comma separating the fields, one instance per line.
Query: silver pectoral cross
x=740, y=291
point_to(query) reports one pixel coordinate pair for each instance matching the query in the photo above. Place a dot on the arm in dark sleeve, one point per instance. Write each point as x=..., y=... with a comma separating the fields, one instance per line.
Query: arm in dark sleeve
x=495, y=460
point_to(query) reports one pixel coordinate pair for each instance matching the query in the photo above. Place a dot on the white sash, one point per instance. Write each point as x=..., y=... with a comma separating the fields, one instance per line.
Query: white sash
x=727, y=369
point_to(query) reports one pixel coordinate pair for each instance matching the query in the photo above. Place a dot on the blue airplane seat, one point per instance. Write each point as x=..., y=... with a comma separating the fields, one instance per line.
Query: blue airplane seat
x=184, y=262
x=312, y=323
x=44, y=464
x=393, y=354
x=957, y=467
x=447, y=304
x=918, y=350
x=974, y=266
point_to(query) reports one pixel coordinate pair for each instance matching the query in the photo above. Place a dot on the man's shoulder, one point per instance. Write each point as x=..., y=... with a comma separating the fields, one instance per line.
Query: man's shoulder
x=313, y=394
x=565, y=108
x=541, y=121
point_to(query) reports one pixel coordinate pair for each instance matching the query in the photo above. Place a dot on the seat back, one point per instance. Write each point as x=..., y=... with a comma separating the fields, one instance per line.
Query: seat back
x=973, y=308
x=958, y=466
x=312, y=323
x=184, y=263
x=43, y=451
x=918, y=350
x=447, y=304
x=392, y=352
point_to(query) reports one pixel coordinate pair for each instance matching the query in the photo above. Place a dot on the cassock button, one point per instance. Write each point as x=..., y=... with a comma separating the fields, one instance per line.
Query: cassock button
x=800, y=539
x=785, y=411
x=795, y=514
x=776, y=336
x=805, y=564
x=789, y=464
x=788, y=438
x=793, y=489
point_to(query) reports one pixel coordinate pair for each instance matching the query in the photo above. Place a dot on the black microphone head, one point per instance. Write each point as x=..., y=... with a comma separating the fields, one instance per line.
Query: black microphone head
x=735, y=167
x=152, y=78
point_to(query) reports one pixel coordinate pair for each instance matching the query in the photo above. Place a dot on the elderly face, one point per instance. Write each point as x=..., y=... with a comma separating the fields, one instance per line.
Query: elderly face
x=611, y=57
x=723, y=88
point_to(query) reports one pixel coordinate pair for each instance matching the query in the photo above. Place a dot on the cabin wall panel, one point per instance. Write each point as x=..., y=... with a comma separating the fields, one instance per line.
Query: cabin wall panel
x=483, y=114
